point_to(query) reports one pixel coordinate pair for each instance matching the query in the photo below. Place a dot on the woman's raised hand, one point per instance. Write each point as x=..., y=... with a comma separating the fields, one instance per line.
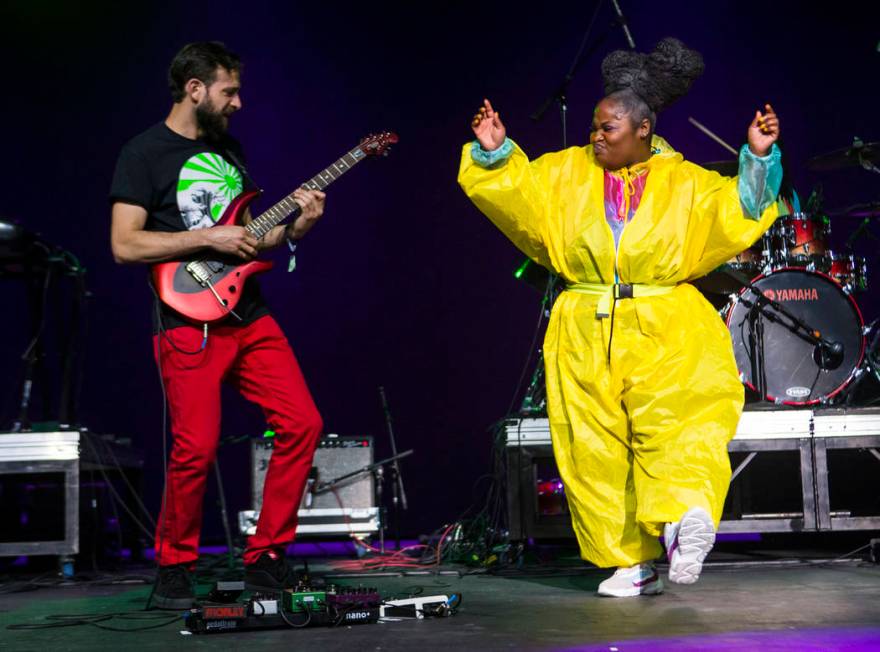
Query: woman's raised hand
x=764, y=131
x=488, y=128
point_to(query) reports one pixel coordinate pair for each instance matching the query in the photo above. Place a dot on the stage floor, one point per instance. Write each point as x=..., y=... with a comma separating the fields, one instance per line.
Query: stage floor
x=733, y=607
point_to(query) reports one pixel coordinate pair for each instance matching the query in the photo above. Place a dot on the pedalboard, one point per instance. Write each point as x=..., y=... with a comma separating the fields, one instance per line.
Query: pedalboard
x=304, y=606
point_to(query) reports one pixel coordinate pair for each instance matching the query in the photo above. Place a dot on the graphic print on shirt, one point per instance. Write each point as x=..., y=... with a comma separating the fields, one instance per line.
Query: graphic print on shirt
x=206, y=186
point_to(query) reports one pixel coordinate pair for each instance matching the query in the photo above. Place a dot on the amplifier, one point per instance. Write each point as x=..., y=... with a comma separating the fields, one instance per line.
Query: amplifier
x=349, y=508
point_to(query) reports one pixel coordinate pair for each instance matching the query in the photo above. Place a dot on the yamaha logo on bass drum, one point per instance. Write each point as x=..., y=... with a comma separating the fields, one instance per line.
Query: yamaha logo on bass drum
x=792, y=294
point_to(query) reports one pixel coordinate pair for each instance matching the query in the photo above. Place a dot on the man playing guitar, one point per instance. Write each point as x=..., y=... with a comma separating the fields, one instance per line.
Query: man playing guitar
x=171, y=182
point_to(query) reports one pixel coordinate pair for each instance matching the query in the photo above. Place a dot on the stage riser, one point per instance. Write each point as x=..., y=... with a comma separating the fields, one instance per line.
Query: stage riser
x=55, y=467
x=799, y=440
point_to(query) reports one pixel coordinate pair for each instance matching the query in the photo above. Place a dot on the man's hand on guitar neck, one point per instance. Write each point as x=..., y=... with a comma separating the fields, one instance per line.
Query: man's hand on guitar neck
x=312, y=204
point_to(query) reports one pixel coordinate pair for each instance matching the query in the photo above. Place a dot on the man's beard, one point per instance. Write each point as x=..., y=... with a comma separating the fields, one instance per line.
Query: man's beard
x=212, y=123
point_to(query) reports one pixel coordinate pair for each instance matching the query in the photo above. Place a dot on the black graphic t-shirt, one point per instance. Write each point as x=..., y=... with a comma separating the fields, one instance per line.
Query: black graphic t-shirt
x=185, y=184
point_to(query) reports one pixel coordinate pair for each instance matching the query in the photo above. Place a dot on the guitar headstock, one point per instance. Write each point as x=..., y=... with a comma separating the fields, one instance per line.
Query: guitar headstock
x=378, y=144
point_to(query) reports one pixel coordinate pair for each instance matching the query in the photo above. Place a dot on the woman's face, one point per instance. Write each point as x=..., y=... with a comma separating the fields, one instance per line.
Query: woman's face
x=616, y=143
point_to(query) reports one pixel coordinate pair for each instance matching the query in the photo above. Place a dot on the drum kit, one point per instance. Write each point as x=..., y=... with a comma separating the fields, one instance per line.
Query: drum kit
x=790, y=301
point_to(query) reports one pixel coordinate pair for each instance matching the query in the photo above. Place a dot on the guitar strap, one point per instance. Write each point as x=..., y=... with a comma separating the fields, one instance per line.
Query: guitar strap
x=241, y=166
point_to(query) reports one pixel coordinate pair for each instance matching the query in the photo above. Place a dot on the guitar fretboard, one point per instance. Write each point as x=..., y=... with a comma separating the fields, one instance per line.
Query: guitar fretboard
x=269, y=219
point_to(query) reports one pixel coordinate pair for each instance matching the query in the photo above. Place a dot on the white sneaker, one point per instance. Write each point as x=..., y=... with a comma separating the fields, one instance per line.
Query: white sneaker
x=687, y=544
x=641, y=579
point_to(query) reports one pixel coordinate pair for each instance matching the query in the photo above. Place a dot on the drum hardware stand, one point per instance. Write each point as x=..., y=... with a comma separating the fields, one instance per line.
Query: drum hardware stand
x=869, y=366
x=773, y=256
x=858, y=145
x=535, y=400
x=855, y=235
x=378, y=471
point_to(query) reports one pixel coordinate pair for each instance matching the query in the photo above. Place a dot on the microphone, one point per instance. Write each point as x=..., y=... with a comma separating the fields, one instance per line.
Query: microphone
x=828, y=355
x=622, y=20
x=310, y=487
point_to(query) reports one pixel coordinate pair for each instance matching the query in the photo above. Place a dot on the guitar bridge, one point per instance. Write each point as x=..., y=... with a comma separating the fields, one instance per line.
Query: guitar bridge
x=200, y=272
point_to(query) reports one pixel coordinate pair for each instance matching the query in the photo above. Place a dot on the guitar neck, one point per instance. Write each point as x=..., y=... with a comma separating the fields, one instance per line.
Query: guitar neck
x=269, y=219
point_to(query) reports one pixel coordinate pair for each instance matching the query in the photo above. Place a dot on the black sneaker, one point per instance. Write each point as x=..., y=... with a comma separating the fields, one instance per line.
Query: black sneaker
x=271, y=572
x=174, y=588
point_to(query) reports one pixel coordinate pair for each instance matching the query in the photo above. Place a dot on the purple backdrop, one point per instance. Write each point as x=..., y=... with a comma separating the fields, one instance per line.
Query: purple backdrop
x=404, y=283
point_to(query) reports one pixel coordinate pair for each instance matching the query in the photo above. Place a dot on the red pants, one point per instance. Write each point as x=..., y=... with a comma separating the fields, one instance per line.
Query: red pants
x=257, y=360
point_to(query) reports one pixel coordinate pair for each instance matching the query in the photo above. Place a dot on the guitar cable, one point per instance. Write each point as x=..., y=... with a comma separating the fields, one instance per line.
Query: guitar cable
x=163, y=333
x=160, y=530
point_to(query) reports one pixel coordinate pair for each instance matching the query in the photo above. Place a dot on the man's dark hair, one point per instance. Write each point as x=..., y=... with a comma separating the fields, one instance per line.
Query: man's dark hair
x=199, y=61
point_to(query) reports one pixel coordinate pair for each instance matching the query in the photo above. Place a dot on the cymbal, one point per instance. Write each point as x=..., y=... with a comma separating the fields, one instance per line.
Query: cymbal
x=860, y=211
x=10, y=231
x=728, y=168
x=846, y=157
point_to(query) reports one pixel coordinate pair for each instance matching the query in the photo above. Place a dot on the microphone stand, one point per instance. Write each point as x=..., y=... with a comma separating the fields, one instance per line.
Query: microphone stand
x=583, y=54
x=398, y=494
x=621, y=20
x=756, y=348
x=560, y=96
x=322, y=487
x=378, y=471
x=796, y=325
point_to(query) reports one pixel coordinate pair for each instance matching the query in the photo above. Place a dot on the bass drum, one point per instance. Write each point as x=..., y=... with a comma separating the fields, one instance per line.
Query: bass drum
x=791, y=368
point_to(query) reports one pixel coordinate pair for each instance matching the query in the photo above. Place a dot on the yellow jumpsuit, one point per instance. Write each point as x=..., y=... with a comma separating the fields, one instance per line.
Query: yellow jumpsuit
x=643, y=437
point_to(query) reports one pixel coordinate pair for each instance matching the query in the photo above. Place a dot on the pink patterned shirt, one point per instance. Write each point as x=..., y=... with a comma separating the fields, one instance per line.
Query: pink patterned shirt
x=615, y=200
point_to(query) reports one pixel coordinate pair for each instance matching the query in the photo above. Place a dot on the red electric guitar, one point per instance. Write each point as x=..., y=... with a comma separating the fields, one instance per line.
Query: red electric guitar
x=205, y=289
